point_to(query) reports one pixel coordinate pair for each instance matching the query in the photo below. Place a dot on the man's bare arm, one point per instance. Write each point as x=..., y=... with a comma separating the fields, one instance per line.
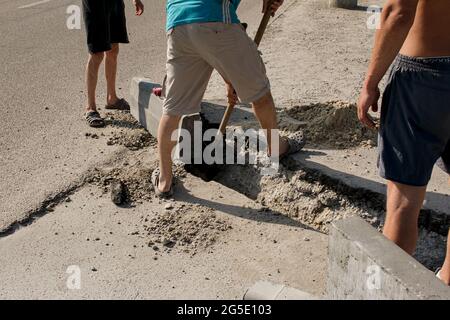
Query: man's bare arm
x=275, y=6
x=397, y=19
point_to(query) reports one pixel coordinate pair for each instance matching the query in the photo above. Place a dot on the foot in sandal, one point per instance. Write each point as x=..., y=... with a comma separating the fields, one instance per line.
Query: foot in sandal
x=119, y=104
x=296, y=142
x=155, y=181
x=94, y=119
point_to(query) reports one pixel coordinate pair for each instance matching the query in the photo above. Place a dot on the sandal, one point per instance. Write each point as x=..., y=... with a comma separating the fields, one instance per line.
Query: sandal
x=94, y=119
x=120, y=104
x=155, y=182
x=438, y=273
x=296, y=142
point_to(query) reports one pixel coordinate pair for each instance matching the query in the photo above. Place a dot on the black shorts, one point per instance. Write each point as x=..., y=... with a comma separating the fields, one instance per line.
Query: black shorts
x=105, y=24
x=415, y=120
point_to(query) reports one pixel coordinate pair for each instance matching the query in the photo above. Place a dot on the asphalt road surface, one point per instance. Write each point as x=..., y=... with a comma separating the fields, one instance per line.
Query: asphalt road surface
x=42, y=131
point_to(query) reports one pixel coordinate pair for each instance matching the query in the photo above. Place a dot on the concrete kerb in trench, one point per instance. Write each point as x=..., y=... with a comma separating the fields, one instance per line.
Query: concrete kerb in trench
x=145, y=106
x=363, y=264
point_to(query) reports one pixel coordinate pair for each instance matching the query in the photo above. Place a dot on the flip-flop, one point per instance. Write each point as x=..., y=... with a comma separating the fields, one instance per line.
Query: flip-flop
x=297, y=142
x=155, y=182
x=438, y=273
x=120, y=104
x=94, y=119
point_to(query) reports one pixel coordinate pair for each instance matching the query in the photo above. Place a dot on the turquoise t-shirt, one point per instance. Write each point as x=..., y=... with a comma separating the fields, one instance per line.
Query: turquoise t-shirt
x=181, y=12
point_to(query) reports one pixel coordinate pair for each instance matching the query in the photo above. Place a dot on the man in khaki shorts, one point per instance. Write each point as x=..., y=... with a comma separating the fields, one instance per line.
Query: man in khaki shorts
x=204, y=35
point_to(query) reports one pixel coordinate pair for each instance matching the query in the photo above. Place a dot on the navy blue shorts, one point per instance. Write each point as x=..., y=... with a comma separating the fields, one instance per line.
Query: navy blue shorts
x=105, y=24
x=415, y=120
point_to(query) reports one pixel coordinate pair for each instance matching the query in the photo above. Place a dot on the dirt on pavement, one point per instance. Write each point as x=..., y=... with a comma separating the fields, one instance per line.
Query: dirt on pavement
x=186, y=228
x=129, y=132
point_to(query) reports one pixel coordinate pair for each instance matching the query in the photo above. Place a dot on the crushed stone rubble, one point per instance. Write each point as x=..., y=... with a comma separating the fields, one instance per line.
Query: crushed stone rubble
x=187, y=228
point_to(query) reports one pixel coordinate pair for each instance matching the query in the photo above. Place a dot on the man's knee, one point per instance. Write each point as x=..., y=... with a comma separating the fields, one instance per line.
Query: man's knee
x=403, y=209
x=404, y=199
x=264, y=100
x=97, y=57
x=114, y=52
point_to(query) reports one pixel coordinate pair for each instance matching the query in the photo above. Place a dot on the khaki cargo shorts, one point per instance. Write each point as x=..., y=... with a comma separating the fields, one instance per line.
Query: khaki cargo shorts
x=195, y=50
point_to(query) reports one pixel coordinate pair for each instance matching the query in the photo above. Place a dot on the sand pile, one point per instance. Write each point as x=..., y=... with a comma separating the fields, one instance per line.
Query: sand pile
x=188, y=228
x=130, y=133
x=333, y=124
x=306, y=199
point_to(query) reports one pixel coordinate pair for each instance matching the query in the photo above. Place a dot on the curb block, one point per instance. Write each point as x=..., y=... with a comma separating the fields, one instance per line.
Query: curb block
x=145, y=106
x=364, y=265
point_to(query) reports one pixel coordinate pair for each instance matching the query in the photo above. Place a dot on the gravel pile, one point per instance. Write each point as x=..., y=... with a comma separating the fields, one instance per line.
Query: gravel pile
x=130, y=133
x=127, y=184
x=188, y=228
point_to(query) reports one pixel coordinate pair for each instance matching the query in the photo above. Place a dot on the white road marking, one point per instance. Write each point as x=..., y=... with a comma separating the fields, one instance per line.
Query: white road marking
x=34, y=4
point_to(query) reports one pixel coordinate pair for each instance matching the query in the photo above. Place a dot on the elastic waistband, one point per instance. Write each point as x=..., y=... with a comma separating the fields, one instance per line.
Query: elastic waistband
x=433, y=64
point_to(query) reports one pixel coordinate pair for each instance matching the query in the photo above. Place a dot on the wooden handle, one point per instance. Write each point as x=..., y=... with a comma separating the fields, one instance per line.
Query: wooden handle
x=259, y=35
x=264, y=22
x=226, y=118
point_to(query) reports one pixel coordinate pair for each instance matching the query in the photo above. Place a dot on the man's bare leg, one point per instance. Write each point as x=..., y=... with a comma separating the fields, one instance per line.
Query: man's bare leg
x=403, y=209
x=265, y=112
x=92, y=68
x=167, y=125
x=111, y=73
x=444, y=274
